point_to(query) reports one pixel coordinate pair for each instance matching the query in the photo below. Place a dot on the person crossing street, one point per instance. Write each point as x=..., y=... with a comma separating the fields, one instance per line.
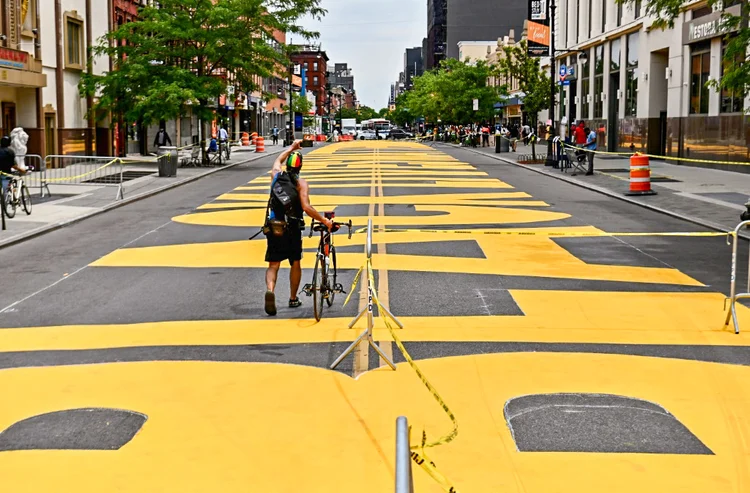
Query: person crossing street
x=289, y=199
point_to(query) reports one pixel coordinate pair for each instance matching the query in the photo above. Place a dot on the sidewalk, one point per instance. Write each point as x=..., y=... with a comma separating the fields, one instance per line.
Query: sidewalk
x=709, y=197
x=72, y=203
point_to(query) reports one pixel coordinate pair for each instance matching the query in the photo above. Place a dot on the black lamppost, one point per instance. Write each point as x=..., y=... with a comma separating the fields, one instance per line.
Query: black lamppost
x=289, y=135
x=551, y=161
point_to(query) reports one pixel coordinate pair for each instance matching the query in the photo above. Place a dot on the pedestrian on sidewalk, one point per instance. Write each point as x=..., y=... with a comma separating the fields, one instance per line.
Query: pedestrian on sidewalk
x=590, y=147
x=288, y=202
x=162, y=138
x=275, y=135
x=485, y=136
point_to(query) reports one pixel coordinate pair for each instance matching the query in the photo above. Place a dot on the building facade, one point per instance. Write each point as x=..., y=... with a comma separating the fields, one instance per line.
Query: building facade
x=315, y=62
x=21, y=75
x=645, y=89
x=437, y=31
x=342, y=76
x=413, y=66
x=471, y=51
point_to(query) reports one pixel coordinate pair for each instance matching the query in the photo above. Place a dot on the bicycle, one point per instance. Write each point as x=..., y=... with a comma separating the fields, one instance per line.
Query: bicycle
x=16, y=195
x=225, y=149
x=325, y=287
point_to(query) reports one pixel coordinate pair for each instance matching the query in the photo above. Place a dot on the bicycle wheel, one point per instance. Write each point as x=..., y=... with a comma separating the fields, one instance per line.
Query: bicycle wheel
x=26, y=199
x=332, y=277
x=10, y=204
x=317, y=291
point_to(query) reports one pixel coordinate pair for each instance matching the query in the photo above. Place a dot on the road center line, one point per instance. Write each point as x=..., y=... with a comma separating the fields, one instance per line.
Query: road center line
x=386, y=346
x=362, y=352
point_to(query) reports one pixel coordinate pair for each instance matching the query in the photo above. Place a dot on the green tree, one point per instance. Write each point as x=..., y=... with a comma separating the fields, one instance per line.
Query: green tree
x=448, y=92
x=301, y=104
x=737, y=69
x=183, y=54
x=532, y=81
x=402, y=114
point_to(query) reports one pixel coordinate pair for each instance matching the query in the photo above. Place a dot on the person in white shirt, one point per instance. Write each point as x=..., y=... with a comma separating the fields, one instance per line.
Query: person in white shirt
x=223, y=135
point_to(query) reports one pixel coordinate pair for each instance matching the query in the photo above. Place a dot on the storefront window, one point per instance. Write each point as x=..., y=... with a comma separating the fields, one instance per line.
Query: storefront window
x=604, y=15
x=598, y=81
x=614, y=55
x=591, y=17
x=637, y=7
x=700, y=68
x=619, y=13
x=631, y=77
x=731, y=100
x=585, y=88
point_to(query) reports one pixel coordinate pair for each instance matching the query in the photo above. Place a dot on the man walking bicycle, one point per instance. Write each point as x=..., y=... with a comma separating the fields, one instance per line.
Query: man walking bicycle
x=290, y=198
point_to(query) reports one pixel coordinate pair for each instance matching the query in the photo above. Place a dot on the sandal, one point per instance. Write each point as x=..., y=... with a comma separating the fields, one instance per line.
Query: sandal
x=270, y=303
x=295, y=303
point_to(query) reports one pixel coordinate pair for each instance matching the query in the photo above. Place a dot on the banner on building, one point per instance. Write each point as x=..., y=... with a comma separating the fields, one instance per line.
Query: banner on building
x=538, y=28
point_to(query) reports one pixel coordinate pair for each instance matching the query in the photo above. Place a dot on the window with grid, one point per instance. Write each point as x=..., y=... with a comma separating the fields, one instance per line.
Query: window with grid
x=74, y=43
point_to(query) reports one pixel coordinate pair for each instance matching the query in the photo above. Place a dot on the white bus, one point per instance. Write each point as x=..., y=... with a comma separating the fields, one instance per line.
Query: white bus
x=381, y=125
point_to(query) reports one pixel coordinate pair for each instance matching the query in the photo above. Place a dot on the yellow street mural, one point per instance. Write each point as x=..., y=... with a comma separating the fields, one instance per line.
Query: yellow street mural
x=239, y=426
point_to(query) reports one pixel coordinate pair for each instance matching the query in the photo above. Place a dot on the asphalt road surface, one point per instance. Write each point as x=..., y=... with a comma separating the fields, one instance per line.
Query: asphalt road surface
x=135, y=353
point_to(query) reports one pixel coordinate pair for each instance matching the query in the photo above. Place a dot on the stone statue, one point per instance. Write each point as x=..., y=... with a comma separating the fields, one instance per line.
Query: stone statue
x=18, y=141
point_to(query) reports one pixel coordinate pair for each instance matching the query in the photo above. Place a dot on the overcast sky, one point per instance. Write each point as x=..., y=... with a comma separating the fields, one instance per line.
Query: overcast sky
x=371, y=37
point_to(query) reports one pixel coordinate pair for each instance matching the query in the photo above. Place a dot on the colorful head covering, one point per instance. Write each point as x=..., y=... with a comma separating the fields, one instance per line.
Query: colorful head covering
x=294, y=162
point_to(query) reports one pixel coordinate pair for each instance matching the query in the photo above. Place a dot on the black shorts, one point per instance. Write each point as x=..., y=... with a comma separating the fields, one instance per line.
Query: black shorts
x=287, y=247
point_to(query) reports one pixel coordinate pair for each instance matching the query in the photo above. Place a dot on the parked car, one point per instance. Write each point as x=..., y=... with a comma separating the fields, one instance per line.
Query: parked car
x=399, y=133
x=366, y=135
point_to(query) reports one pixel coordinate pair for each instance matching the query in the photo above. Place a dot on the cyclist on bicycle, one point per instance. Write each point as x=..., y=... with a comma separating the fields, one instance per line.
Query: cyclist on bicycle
x=290, y=198
x=8, y=163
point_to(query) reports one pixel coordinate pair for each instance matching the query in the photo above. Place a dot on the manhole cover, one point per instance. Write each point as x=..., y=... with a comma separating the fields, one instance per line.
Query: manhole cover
x=115, y=177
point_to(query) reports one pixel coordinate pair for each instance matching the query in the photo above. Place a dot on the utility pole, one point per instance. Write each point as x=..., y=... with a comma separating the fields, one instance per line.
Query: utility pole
x=550, y=161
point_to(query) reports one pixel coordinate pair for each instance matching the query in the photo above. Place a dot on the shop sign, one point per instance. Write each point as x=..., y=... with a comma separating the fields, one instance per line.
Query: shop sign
x=14, y=59
x=707, y=27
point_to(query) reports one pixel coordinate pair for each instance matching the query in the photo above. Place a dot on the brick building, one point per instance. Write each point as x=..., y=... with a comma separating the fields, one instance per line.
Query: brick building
x=315, y=62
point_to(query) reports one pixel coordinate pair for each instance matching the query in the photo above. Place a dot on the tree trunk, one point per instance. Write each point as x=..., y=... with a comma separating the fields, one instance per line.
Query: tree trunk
x=533, y=141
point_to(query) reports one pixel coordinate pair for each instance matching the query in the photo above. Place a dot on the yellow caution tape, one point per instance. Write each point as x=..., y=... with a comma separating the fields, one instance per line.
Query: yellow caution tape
x=667, y=158
x=354, y=284
x=418, y=455
x=564, y=234
x=67, y=178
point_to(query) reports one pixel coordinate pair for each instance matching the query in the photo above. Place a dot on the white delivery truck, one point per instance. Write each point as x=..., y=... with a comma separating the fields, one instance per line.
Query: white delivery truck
x=349, y=126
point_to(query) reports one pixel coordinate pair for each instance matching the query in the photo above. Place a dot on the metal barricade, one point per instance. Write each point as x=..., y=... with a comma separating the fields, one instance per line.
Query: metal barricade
x=733, y=295
x=35, y=178
x=367, y=333
x=84, y=171
x=404, y=480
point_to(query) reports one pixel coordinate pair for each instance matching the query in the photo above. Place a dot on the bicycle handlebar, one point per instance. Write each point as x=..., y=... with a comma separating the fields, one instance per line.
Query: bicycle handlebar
x=348, y=225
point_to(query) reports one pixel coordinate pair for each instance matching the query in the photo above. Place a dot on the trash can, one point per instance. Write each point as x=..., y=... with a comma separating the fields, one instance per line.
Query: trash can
x=501, y=144
x=168, y=163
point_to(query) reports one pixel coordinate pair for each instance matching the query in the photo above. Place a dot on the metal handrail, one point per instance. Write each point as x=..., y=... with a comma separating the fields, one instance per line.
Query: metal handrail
x=733, y=295
x=404, y=480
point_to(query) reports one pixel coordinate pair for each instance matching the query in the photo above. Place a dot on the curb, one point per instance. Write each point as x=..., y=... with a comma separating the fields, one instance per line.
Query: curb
x=610, y=193
x=115, y=205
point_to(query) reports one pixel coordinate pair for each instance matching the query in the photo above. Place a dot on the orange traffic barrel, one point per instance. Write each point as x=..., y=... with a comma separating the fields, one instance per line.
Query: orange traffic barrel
x=260, y=144
x=640, y=175
x=245, y=139
x=253, y=137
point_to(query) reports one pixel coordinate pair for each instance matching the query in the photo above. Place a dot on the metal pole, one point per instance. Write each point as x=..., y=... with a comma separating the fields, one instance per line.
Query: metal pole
x=2, y=208
x=404, y=482
x=550, y=161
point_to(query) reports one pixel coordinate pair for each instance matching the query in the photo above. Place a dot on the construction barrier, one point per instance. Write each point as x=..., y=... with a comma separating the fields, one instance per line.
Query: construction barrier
x=260, y=145
x=245, y=139
x=734, y=296
x=640, y=175
x=254, y=138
